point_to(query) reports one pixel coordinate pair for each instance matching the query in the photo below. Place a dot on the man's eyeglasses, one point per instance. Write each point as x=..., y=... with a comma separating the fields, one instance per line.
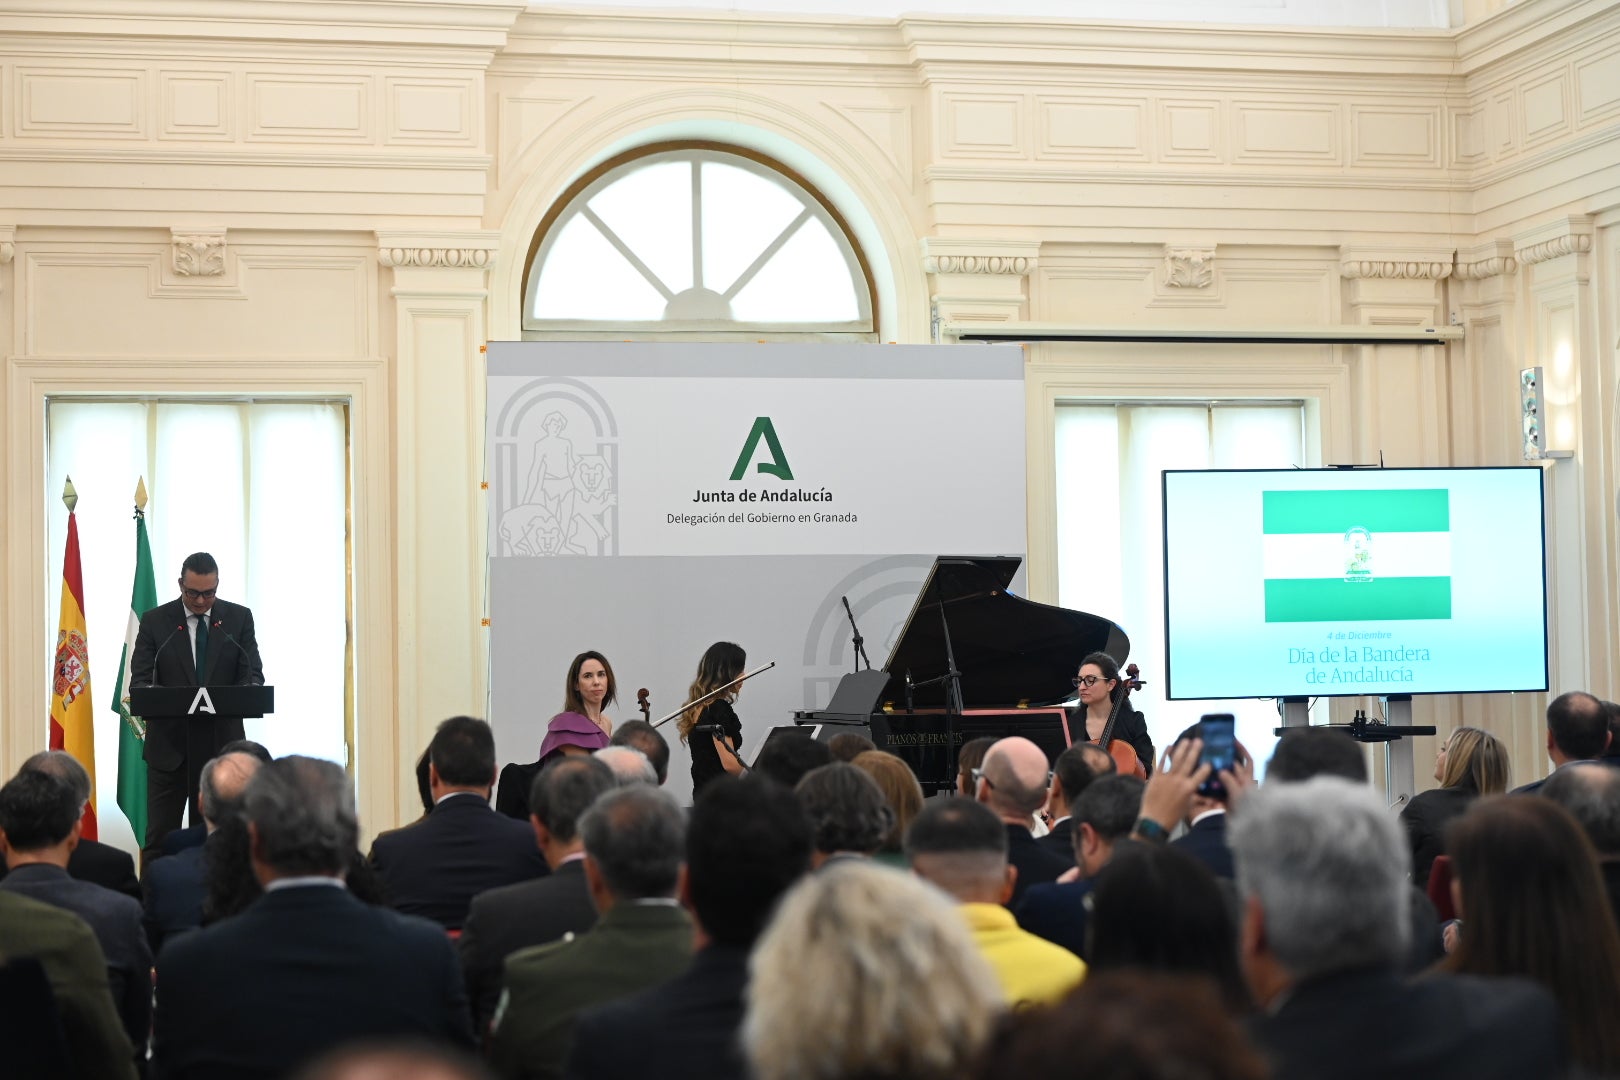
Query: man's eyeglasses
x=1087, y=681
x=199, y=594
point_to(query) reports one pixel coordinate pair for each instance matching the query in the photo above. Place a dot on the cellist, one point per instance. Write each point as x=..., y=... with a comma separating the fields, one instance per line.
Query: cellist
x=1103, y=697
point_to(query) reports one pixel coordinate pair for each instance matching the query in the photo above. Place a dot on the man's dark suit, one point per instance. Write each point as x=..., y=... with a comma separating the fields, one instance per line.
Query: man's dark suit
x=435, y=867
x=101, y=864
x=1036, y=865
x=175, y=887
x=502, y=921
x=302, y=970
x=1359, y=1024
x=633, y=946
x=1206, y=842
x=1060, y=841
x=73, y=962
x=116, y=921
x=1057, y=913
x=687, y=1026
x=163, y=657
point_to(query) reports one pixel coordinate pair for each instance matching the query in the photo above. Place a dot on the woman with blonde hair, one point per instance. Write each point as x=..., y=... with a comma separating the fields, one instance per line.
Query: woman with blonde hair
x=1471, y=763
x=900, y=790
x=714, y=722
x=866, y=972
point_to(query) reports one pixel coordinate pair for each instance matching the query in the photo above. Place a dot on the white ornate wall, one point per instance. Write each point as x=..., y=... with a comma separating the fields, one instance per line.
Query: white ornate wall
x=338, y=199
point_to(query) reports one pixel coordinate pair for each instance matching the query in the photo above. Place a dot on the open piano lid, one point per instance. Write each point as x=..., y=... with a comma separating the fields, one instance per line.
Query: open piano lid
x=1009, y=650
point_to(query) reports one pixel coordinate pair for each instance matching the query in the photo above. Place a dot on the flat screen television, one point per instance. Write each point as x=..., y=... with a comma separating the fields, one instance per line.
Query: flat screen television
x=1333, y=582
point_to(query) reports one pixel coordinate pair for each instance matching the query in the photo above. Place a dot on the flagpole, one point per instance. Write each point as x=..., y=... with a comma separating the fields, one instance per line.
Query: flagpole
x=132, y=729
x=72, y=720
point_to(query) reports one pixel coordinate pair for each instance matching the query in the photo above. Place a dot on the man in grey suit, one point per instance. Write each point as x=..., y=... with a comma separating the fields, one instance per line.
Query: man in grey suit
x=502, y=921
x=39, y=827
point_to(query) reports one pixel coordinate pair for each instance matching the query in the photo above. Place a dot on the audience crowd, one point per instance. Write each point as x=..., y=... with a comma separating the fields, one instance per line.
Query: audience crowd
x=820, y=919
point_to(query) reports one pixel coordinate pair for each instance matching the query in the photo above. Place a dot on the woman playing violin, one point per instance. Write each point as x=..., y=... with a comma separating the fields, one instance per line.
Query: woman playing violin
x=714, y=750
x=1099, y=686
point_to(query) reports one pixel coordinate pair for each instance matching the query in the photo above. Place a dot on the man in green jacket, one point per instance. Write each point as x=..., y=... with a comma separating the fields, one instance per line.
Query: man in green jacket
x=634, y=839
x=73, y=962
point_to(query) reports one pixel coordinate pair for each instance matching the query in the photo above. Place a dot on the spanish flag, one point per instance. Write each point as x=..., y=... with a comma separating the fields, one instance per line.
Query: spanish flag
x=71, y=729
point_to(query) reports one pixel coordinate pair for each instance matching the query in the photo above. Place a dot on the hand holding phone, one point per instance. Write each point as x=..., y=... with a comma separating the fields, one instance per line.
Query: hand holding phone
x=1219, y=752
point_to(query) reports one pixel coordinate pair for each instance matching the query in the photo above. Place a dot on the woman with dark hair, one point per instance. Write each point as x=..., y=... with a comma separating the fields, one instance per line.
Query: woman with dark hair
x=714, y=750
x=590, y=688
x=1098, y=686
x=1117, y=1024
x=1471, y=763
x=1525, y=883
x=1158, y=909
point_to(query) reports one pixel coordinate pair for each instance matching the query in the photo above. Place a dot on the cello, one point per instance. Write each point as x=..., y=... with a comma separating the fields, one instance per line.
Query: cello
x=1123, y=753
x=644, y=703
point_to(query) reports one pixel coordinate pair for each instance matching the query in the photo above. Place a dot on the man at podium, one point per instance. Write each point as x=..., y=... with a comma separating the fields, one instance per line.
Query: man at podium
x=196, y=640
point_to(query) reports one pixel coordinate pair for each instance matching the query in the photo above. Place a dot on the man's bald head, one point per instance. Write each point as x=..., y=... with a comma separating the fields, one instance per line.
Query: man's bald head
x=220, y=787
x=1014, y=779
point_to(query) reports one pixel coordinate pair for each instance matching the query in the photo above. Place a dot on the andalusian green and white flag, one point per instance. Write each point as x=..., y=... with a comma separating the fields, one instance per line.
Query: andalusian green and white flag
x=1338, y=556
x=132, y=729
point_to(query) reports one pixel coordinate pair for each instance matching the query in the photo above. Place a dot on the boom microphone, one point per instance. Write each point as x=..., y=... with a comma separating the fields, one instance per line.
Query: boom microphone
x=159, y=650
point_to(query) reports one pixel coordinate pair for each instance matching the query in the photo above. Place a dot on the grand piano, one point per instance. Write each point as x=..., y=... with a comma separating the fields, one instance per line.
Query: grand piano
x=971, y=660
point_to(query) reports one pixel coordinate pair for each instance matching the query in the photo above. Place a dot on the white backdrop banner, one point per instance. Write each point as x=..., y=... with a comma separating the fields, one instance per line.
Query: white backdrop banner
x=646, y=500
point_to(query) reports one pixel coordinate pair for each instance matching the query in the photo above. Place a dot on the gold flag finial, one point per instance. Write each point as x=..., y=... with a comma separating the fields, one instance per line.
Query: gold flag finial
x=70, y=496
x=140, y=495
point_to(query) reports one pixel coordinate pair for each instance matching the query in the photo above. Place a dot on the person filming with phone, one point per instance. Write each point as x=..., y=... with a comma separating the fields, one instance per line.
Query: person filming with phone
x=1192, y=789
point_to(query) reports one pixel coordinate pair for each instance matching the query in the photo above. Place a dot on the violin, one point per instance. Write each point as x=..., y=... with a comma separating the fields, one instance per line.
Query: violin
x=644, y=703
x=1123, y=754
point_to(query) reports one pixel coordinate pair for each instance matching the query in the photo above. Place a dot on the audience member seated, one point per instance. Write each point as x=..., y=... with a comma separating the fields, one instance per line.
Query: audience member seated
x=101, y=864
x=747, y=842
x=968, y=760
x=1591, y=794
x=307, y=967
x=30, y=1024
x=435, y=867
x=633, y=840
x=848, y=815
x=629, y=765
x=65, y=947
x=512, y=917
x=847, y=746
x=1577, y=730
x=1158, y=909
x=642, y=736
x=865, y=972
x=39, y=826
x=176, y=885
x=1526, y=884
x=1321, y=872
x=903, y=794
x=396, y=1060
x=1013, y=782
x=1071, y=772
x=566, y=733
x=1123, y=1024
x=1205, y=818
x=961, y=847
x=788, y=759
x=1303, y=753
x=1470, y=763
x=194, y=834
x=1611, y=756
x=1103, y=815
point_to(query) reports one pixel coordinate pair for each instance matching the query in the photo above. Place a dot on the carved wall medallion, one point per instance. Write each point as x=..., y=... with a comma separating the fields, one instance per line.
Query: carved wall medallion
x=1189, y=268
x=198, y=254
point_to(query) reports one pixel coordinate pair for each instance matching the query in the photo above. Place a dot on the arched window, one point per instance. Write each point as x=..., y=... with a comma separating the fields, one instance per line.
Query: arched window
x=696, y=239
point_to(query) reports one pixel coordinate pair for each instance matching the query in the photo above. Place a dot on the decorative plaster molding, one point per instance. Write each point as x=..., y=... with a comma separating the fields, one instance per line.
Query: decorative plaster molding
x=1189, y=268
x=1395, y=263
x=197, y=252
x=1016, y=257
x=1571, y=235
x=1494, y=259
x=463, y=251
x=8, y=243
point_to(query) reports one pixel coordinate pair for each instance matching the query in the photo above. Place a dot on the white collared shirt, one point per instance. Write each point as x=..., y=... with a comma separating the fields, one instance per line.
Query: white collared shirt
x=191, y=628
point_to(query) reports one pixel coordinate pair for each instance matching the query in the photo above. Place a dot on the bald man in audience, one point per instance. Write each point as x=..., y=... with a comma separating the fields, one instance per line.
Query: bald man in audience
x=1577, y=731
x=961, y=847
x=176, y=884
x=1013, y=782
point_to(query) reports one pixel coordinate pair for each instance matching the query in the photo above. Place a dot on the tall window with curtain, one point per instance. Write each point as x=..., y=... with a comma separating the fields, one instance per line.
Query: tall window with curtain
x=263, y=487
x=1110, y=525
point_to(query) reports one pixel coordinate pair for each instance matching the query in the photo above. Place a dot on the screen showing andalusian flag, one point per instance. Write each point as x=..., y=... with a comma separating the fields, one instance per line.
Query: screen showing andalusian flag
x=1346, y=556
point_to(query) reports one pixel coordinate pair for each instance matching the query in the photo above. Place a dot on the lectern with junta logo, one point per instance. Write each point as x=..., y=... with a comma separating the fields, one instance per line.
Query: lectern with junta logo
x=199, y=707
